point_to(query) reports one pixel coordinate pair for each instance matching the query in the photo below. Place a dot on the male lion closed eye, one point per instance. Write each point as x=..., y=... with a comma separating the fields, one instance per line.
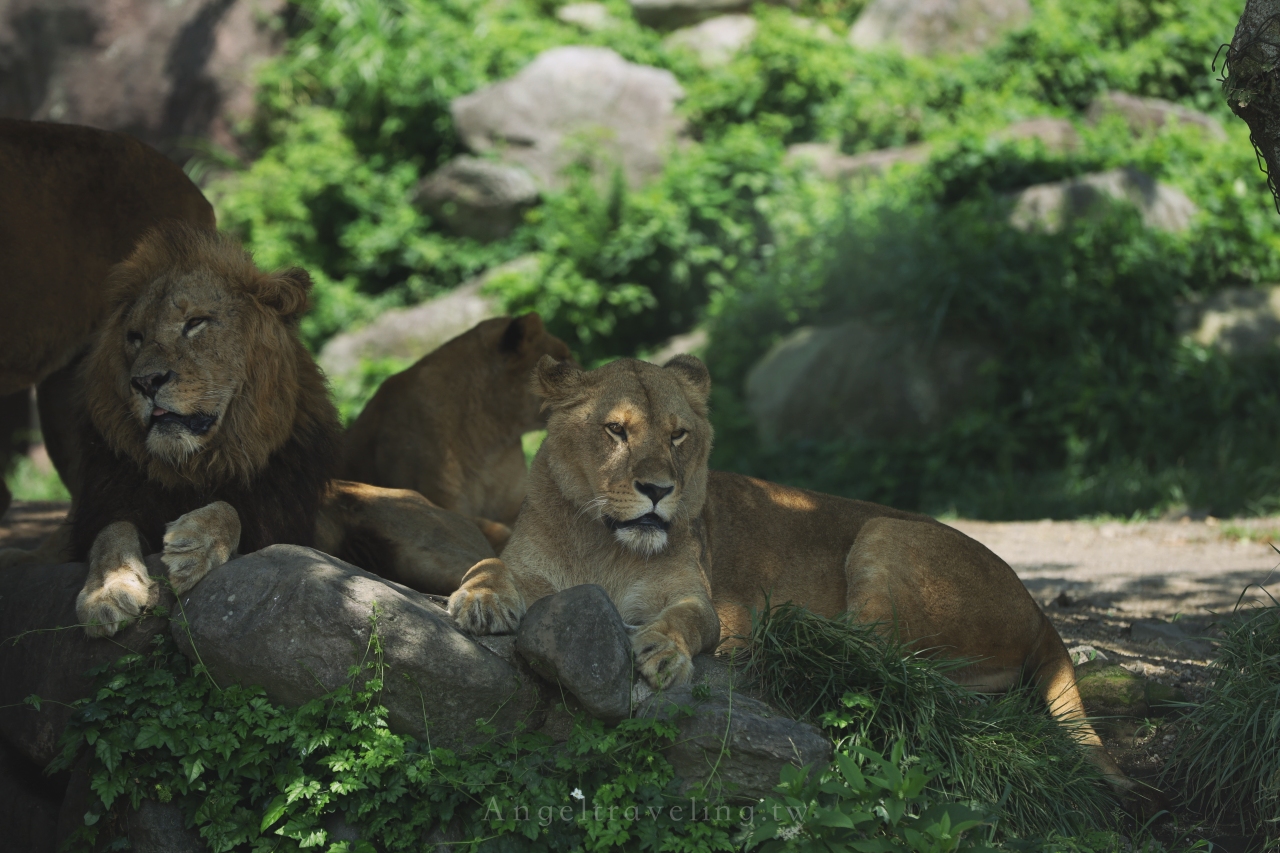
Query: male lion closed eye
x=620, y=496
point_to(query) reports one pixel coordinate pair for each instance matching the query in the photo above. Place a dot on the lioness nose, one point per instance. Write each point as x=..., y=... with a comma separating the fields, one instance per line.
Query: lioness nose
x=152, y=382
x=653, y=491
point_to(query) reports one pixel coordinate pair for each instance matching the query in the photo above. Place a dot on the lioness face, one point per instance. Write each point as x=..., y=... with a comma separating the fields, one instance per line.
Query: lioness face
x=628, y=444
x=183, y=361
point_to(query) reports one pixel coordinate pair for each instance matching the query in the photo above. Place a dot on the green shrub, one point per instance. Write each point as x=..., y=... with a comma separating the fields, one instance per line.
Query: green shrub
x=1226, y=761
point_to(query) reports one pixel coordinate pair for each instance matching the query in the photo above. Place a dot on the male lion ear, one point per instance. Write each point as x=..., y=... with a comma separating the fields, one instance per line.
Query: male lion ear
x=556, y=381
x=285, y=292
x=520, y=331
x=692, y=372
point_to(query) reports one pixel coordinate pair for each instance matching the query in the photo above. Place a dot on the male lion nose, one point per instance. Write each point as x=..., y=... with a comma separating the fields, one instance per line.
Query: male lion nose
x=653, y=491
x=152, y=382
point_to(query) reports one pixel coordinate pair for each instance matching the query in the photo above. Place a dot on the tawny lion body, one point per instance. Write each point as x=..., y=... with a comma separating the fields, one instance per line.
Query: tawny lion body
x=620, y=496
x=210, y=431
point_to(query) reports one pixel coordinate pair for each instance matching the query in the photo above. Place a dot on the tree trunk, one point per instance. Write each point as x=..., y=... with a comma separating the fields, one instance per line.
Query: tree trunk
x=1251, y=80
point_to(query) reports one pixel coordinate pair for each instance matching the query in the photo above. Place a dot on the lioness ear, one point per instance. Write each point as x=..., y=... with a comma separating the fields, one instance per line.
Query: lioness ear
x=285, y=292
x=556, y=381
x=692, y=372
x=520, y=331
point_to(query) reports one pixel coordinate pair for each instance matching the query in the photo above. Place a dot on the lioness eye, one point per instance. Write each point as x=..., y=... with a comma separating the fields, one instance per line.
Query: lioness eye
x=679, y=436
x=134, y=337
x=617, y=429
x=193, y=324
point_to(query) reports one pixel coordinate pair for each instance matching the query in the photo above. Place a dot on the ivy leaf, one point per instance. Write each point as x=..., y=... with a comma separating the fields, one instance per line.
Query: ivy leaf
x=274, y=812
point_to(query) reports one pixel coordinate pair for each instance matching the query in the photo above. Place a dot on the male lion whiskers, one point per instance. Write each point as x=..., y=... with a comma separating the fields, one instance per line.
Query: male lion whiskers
x=620, y=496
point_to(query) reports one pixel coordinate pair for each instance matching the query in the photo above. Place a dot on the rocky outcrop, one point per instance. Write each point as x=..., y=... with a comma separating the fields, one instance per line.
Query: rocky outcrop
x=478, y=198
x=1050, y=207
x=295, y=621
x=592, y=17
x=861, y=381
x=576, y=638
x=1147, y=115
x=160, y=71
x=931, y=27
x=1057, y=135
x=1236, y=321
x=669, y=14
x=826, y=159
x=715, y=41
x=575, y=105
x=407, y=334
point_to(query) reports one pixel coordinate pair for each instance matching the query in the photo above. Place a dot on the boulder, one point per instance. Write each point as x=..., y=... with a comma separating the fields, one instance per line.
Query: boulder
x=1237, y=321
x=1049, y=207
x=693, y=342
x=407, y=334
x=1057, y=135
x=592, y=17
x=715, y=41
x=577, y=639
x=732, y=743
x=931, y=27
x=163, y=72
x=45, y=653
x=29, y=806
x=827, y=160
x=293, y=621
x=1147, y=115
x=575, y=104
x=670, y=14
x=1108, y=690
x=1171, y=636
x=156, y=827
x=861, y=381
x=481, y=199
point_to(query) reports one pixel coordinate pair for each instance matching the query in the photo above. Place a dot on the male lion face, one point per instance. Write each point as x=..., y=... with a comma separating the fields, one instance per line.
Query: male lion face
x=628, y=444
x=184, y=364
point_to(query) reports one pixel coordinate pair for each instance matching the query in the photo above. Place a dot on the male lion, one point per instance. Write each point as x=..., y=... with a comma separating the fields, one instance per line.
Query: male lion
x=210, y=430
x=620, y=496
x=450, y=425
x=73, y=201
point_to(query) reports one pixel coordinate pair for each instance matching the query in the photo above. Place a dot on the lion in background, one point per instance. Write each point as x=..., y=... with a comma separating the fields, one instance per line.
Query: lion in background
x=620, y=495
x=73, y=202
x=450, y=425
x=209, y=430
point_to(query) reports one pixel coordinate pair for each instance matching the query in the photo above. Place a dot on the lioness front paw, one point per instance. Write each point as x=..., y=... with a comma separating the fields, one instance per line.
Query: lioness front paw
x=488, y=601
x=107, y=608
x=660, y=659
x=199, y=542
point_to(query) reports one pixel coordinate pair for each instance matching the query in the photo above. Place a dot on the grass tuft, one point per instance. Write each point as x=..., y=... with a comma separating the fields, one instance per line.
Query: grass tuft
x=1227, y=761
x=868, y=690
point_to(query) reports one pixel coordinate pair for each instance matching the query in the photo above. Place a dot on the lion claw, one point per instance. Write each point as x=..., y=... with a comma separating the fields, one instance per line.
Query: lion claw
x=105, y=610
x=660, y=659
x=199, y=542
x=480, y=612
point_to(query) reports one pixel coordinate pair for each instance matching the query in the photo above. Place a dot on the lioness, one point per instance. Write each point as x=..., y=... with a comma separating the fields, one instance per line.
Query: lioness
x=620, y=496
x=209, y=431
x=450, y=425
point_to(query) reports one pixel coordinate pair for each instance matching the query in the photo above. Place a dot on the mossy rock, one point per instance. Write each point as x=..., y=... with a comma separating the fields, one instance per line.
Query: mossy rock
x=1113, y=691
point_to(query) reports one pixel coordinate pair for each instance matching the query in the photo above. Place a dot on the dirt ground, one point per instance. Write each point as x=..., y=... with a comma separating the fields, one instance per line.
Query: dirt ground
x=1094, y=579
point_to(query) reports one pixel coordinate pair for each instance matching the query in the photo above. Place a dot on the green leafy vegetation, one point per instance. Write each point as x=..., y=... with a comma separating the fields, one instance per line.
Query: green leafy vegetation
x=1092, y=400
x=1227, y=759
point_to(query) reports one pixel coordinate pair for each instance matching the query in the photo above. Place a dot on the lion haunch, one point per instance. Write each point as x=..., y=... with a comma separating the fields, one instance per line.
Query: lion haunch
x=620, y=495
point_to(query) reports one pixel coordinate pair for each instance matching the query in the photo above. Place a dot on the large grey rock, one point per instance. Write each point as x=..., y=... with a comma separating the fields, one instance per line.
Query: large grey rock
x=163, y=72
x=827, y=160
x=716, y=40
x=575, y=104
x=592, y=17
x=407, y=334
x=1050, y=207
x=293, y=621
x=476, y=198
x=1237, y=321
x=1171, y=636
x=156, y=827
x=1057, y=135
x=733, y=743
x=930, y=27
x=577, y=638
x=693, y=342
x=669, y=14
x=45, y=653
x=28, y=808
x=1145, y=115
x=857, y=380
